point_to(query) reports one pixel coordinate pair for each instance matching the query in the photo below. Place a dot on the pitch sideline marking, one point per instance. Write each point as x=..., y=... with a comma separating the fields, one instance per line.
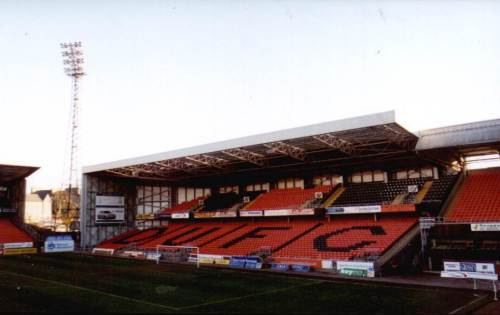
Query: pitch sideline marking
x=91, y=290
x=250, y=295
x=455, y=311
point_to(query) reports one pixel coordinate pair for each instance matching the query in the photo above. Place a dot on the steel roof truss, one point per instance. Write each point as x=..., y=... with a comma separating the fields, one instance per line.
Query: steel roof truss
x=287, y=149
x=245, y=155
x=336, y=143
x=208, y=160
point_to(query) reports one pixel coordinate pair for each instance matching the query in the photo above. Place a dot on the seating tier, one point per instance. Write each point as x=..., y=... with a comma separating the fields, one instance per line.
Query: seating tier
x=342, y=238
x=10, y=233
x=479, y=198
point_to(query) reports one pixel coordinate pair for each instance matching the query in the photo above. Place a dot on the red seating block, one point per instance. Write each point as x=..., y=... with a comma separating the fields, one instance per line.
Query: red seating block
x=479, y=198
x=291, y=198
x=342, y=238
x=10, y=233
x=183, y=207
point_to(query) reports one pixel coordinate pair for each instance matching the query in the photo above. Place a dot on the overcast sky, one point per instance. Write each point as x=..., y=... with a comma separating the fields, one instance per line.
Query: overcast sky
x=164, y=75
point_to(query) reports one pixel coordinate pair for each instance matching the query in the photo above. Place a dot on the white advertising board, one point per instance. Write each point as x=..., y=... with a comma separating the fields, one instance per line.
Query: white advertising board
x=180, y=215
x=59, y=244
x=469, y=266
x=109, y=214
x=276, y=212
x=473, y=270
x=153, y=256
x=109, y=201
x=327, y=264
x=360, y=265
x=412, y=189
x=251, y=213
x=106, y=251
x=469, y=275
x=287, y=212
x=485, y=227
x=354, y=209
x=18, y=245
x=213, y=259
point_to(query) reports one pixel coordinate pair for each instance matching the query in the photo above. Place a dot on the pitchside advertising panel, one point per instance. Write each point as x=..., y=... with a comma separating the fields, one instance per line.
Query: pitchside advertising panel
x=59, y=243
x=472, y=270
x=356, y=268
x=109, y=209
x=17, y=248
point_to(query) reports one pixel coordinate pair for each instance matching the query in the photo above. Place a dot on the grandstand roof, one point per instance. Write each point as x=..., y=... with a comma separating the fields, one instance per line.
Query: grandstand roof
x=331, y=142
x=9, y=173
x=449, y=143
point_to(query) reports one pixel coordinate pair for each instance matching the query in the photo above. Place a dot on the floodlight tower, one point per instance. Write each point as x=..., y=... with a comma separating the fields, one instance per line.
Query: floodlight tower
x=73, y=60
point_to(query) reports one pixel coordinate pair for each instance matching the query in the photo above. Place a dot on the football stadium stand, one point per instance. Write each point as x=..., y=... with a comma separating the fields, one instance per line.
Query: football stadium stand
x=362, y=189
x=15, y=236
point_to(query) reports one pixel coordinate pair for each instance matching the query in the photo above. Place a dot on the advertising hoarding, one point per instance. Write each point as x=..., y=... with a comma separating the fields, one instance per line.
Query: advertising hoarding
x=19, y=251
x=109, y=215
x=58, y=244
x=356, y=268
x=215, y=214
x=288, y=212
x=18, y=245
x=109, y=201
x=251, y=213
x=485, y=227
x=180, y=215
x=354, y=209
x=473, y=270
x=109, y=209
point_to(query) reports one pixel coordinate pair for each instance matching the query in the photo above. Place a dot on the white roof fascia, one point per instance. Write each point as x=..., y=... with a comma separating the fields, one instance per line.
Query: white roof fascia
x=459, y=135
x=286, y=134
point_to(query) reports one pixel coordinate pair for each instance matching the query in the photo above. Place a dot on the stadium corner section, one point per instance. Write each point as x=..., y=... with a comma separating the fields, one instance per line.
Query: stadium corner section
x=14, y=236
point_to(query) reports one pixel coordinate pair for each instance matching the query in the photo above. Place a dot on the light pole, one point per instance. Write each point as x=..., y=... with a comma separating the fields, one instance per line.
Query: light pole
x=73, y=60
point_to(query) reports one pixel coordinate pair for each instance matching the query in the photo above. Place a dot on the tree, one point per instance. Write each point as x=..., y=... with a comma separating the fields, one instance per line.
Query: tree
x=64, y=211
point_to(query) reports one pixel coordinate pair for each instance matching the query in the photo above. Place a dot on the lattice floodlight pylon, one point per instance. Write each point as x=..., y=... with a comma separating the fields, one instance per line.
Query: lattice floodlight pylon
x=173, y=253
x=73, y=60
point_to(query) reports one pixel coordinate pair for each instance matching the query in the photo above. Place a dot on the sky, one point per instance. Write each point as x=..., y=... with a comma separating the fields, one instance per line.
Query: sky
x=163, y=75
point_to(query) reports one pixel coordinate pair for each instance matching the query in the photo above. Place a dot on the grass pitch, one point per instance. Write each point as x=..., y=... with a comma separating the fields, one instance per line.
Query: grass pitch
x=81, y=283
